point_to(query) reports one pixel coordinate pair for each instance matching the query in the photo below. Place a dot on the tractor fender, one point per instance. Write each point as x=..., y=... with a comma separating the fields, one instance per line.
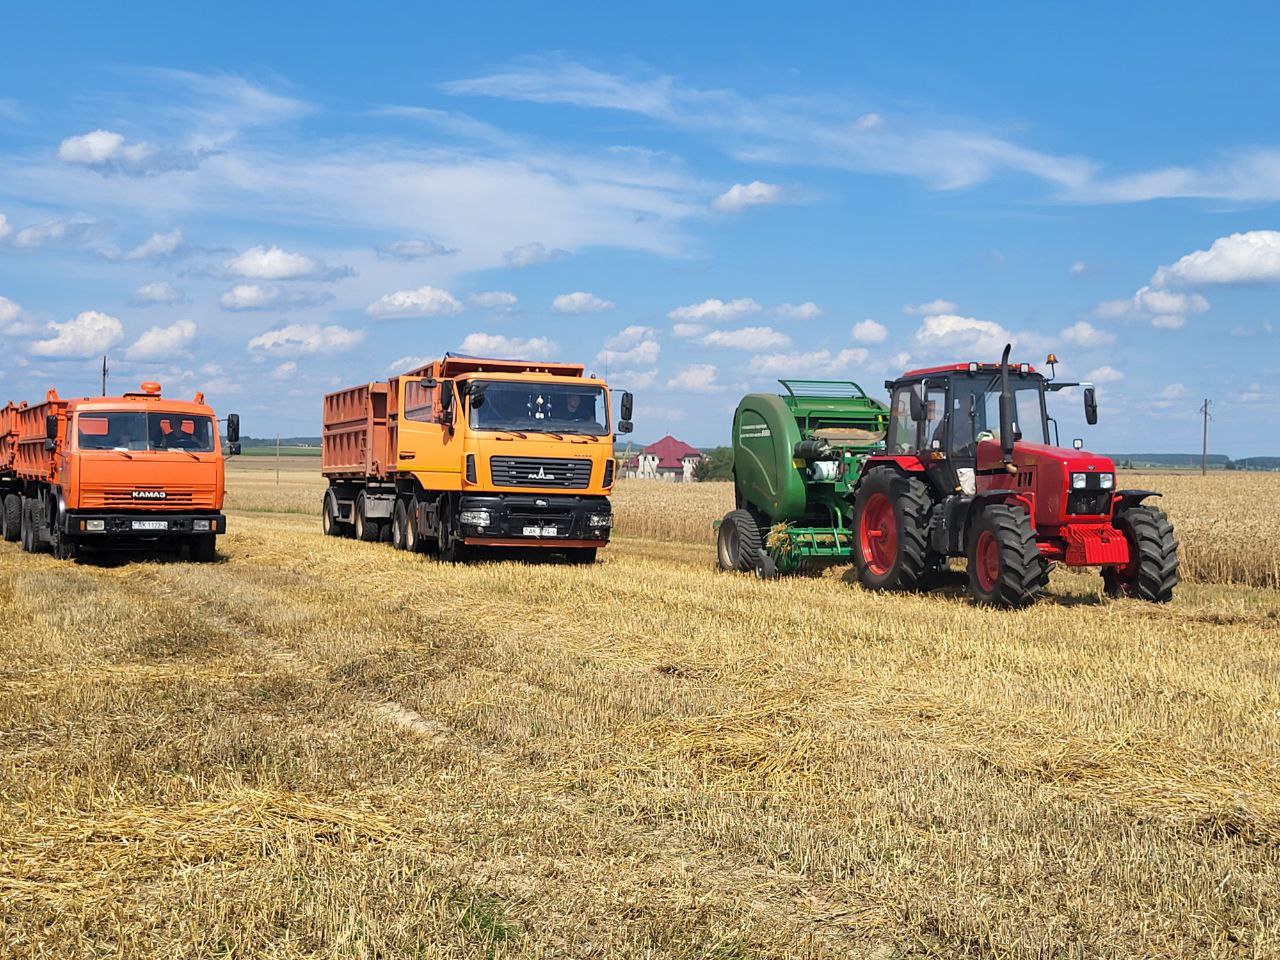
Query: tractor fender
x=905, y=465
x=1027, y=500
x=1130, y=498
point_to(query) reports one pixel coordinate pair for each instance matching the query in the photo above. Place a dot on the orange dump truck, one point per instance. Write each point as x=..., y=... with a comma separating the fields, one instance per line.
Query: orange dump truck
x=468, y=452
x=136, y=470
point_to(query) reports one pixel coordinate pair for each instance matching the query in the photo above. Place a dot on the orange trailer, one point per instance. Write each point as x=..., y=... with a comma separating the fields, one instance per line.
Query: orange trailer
x=470, y=452
x=134, y=470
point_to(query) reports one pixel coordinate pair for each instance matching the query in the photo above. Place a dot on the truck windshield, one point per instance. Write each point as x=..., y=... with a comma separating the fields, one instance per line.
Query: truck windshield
x=979, y=418
x=538, y=408
x=131, y=430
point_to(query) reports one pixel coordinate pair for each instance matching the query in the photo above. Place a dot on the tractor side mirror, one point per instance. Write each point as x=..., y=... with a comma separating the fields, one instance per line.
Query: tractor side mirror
x=1090, y=406
x=626, y=407
x=917, y=403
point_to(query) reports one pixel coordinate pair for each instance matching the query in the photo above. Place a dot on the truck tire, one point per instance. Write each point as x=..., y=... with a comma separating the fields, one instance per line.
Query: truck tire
x=451, y=548
x=739, y=541
x=400, y=526
x=413, y=541
x=62, y=546
x=890, y=530
x=12, y=518
x=32, y=542
x=1006, y=568
x=581, y=555
x=203, y=548
x=369, y=531
x=329, y=522
x=1152, y=571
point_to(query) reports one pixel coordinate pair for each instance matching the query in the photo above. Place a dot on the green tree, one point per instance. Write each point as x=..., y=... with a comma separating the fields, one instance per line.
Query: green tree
x=717, y=464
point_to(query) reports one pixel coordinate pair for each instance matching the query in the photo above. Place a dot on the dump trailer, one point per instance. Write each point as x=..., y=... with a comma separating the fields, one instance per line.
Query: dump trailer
x=467, y=452
x=138, y=470
x=796, y=458
x=970, y=467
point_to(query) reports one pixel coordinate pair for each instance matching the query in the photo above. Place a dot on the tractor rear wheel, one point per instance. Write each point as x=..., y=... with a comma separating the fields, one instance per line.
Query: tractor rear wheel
x=1152, y=570
x=891, y=523
x=1006, y=568
x=738, y=543
x=12, y=518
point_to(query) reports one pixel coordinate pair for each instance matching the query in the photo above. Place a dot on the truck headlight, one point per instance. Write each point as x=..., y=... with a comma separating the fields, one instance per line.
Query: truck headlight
x=201, y=526
x=1106, y=480
x=95, y=526
x=600, y=520
x=1078, y=480
x=474, y=518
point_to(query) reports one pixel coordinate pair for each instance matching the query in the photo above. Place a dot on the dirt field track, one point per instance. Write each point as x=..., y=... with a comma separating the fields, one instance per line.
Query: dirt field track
x=323, y=748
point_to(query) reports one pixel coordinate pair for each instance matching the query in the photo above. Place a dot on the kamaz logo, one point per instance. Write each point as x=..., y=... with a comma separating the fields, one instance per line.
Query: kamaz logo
x=149, y=494
x=540, y=475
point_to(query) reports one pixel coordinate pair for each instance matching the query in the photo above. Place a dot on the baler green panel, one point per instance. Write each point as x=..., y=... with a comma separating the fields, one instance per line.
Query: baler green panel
x=765, y=435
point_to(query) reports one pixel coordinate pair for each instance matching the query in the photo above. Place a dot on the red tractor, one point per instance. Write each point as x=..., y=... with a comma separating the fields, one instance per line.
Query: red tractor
x=969, y=471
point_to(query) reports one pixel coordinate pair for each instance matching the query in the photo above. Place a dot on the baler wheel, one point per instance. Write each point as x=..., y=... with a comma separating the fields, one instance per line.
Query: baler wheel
x=1006, y=568
x=738, y=543
x=891, y=523
x=1152, y=571
x=12, y=518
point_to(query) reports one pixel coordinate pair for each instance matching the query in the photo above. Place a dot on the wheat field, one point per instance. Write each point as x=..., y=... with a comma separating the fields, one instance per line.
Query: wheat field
x=324, y=748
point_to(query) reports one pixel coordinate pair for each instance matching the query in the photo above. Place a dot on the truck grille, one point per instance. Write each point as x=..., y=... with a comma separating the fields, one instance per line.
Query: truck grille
x=122, y=498
x=540, y=472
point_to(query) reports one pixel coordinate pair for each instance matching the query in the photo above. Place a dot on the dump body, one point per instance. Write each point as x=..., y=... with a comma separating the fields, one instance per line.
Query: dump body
x=113, y=471
x=475, y=452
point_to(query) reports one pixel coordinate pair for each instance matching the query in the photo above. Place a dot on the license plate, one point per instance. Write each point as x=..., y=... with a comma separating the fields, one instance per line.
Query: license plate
x=541, y=531
x=151, y=524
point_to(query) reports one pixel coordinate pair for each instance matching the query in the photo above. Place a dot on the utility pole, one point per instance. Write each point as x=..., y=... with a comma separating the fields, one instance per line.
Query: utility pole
x=1204, y=448
x=104, y=376
x=277, y=459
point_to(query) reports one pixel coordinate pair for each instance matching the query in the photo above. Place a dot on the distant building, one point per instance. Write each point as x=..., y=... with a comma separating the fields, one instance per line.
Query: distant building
x=668, y=459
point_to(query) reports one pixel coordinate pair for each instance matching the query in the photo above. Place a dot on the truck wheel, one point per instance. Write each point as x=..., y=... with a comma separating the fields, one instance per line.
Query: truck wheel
x=1152, y=571
x=891, y=522
x=1006, y=568
x=367, y=530
x=30, y=534
x=412, y=537
x=452, y=549
x=63, y=547
x=203, y=548
x=329, y=522
x=400, y=527
x=581, y=555
x=12, y=518
x=738, y=542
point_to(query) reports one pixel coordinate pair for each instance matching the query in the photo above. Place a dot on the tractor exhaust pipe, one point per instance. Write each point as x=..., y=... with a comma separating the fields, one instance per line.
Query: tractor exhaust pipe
x=1006, y=411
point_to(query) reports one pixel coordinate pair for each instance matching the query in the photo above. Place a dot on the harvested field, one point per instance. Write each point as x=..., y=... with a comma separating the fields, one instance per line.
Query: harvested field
x=323, y=748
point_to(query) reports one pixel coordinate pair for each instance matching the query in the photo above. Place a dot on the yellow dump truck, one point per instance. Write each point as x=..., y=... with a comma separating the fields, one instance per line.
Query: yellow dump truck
x=469, y=453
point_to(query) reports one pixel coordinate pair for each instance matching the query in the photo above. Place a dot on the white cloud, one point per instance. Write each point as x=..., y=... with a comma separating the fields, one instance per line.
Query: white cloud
x=632, y=379
x=687, y=331
x=580, y=302
x=88, y=334
x=932, y=307
x=413, y=250
x=156, y=245
x=695, y=378
x=9, y=311
x=1078, y=268
x=5, y=229
x=1104, y=375
x=1084, y=334
x=56, y=231
x=423, y=302
x=742, y=195
x=632, y=347
x=1252, y=257
x=1162, y=308
x=868, y=331
x=401, y=364
x=746, y=338
x=160, y=292
x=715, y=310
x=297, y=339
x=284, y=371
x=814, y=361
x=799, y=311
x=531, y=254
x=949, y=333
x=500, y=347
x=163, y=342
x=100, y=147
x=493, y=300
x=253, y=296
x=273, y=263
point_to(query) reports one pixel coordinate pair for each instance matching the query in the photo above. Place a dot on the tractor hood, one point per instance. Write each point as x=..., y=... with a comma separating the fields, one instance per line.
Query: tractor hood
x=1045, y=471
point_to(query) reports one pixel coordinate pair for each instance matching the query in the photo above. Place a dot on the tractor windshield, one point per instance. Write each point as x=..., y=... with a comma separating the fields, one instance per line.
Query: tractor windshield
x=975, y=411
x=555, y=408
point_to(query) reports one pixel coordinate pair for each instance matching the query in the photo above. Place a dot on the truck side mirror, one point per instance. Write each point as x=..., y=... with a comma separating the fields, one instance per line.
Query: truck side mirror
x=625, y=409
x=233, y=428
x=625, y=426
x=446, y=404
x=1090, y=406
x=51, y=427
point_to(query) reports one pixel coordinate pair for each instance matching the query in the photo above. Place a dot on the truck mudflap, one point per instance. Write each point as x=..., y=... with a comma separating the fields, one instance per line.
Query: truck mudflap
x=148, y=525
x=534, y=520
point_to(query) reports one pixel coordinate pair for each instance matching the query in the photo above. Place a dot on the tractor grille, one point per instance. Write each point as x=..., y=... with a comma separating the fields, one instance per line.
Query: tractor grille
x=540, y=472
x=1095, y=502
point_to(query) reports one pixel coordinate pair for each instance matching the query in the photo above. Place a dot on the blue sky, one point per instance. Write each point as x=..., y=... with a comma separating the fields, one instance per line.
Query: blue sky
x=269, y=202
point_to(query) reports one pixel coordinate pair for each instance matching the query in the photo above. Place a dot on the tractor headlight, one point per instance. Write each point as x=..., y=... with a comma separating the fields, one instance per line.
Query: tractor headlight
x=600, y=520
x=474, y=518
x=1078, y=480
x=1106, y=480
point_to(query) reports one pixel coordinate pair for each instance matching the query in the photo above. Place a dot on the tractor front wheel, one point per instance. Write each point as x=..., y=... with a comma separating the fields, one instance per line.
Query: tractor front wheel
x=1152, y=570
x=738, y=543
x=890, y=523
x=1006, y=568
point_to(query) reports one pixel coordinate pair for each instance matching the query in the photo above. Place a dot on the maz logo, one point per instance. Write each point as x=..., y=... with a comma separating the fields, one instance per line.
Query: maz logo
x=541, y=475
x=149, y=495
